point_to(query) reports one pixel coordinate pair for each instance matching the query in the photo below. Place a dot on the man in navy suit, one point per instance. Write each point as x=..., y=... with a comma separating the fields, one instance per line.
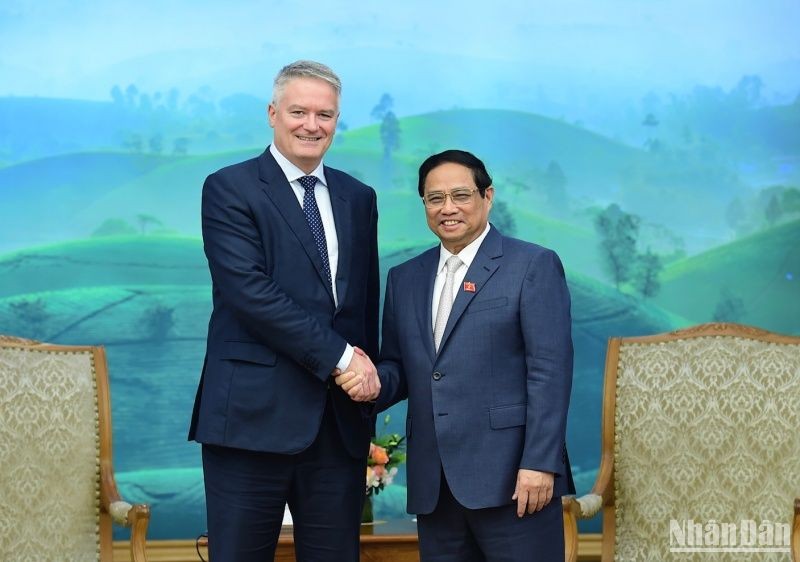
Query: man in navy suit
x=476, y=334
x=292, y=249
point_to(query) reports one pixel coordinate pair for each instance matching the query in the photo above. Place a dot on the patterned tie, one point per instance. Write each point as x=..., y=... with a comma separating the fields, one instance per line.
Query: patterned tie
x=445, y=300
x=311, y=211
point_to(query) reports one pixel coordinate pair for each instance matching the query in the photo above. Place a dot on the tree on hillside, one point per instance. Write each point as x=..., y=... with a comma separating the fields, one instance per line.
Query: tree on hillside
x=158, y=321
x=31, y=316
x=114, y=227
x=201, y=103
x=618, y=231
x=383, y=106
x=133, y=142
x=790, y=202
x=556, y=185
x=518, y=185
x=502, y=218
x=730, y=308
x=147, y=220
x=646, y=272
x=747, y=92
x=773, y=210
x=117, y=96
x=650, y=120
x=156, y=143
x=652, y=143
x=180, y=146
x=131, y=95
x=390, y=126
x=390, y=134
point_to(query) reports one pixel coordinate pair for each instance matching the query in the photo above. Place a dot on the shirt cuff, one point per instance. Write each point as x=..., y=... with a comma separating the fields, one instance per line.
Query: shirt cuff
x=347, y=356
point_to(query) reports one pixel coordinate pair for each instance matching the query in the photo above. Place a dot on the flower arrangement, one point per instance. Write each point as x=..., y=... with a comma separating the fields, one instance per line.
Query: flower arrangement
x=385, y=454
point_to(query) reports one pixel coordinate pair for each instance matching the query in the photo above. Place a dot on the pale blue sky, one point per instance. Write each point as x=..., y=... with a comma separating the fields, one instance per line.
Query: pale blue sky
x=465, y=53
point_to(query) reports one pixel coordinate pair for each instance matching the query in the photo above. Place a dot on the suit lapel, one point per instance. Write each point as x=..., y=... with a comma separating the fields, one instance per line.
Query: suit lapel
x=277, y=189
x=482, y=268
x=342, y=218
x=426, y=276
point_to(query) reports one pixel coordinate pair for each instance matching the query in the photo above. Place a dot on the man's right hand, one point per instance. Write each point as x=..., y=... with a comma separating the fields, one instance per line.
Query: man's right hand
x=360, y=378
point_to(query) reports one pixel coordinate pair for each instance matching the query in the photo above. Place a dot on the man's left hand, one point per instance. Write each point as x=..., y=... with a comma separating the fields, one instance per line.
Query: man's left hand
x=533, y=491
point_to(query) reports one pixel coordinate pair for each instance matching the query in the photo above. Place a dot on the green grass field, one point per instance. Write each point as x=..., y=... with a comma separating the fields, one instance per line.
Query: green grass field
x=762, y=270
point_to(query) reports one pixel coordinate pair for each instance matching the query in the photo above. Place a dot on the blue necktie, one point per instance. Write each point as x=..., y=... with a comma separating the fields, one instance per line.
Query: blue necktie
x=311, y=211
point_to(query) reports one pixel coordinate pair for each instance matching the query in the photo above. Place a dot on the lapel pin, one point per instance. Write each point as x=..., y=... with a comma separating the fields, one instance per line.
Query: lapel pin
x=469, y=286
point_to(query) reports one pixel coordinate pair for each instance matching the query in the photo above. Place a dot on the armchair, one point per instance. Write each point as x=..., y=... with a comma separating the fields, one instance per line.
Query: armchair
x=700, y=447
x=59, y=496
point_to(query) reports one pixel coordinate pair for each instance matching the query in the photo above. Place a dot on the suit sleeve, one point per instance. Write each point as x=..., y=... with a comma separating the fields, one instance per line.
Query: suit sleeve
x=371, y=313
x=547, y=333
x=390, y=369
x=235, y=253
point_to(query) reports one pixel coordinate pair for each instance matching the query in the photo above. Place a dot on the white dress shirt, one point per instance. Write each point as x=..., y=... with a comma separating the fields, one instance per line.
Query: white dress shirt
x=467, y=255
x=323, y=197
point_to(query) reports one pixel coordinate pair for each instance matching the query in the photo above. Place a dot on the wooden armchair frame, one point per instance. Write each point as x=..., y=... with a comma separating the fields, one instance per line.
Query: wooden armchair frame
x=113, y=509
x=602, y=495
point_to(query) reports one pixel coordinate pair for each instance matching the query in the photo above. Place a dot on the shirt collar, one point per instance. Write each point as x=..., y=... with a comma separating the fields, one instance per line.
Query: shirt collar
x=467, y=255
x=292, y=172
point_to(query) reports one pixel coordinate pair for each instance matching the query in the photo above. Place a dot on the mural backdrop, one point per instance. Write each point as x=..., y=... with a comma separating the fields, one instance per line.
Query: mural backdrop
x=654, y=145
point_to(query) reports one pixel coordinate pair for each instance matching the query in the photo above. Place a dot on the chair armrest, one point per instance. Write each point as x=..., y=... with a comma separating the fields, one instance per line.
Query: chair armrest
x=569, y=510
x=796, y=532
x=588, y=506
x=135, y=516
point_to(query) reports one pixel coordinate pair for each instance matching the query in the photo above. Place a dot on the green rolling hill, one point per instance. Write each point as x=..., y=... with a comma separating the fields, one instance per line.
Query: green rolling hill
x=762, y=271
x=71, y=195
x=104, y=262
x=511, y=143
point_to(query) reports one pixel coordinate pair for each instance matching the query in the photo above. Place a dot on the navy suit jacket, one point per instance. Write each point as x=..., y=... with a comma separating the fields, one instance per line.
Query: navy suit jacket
x=495, y=397
x=275, y=333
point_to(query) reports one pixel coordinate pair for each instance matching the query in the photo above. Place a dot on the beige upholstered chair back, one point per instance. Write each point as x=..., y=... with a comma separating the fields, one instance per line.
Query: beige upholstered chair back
x=706, y=431
x=54, y=445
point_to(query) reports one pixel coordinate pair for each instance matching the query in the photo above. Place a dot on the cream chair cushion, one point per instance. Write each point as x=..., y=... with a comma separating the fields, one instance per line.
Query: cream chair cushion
x=706, y=429
x=49, y=451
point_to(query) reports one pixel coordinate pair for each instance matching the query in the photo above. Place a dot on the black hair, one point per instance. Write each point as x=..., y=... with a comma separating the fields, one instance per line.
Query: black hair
x=462, y=157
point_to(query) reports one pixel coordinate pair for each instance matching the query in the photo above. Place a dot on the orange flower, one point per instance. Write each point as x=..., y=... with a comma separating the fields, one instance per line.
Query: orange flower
x=378, y=454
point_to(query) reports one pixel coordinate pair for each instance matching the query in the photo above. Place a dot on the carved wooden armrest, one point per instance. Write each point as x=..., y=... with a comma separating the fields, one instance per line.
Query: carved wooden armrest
x=126, y=514
x=134, y=516
x=586, y=506
x=589, y=505
x=796, y=532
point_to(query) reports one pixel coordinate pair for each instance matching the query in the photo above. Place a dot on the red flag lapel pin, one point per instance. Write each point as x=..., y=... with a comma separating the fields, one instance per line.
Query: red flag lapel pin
x=469, y=286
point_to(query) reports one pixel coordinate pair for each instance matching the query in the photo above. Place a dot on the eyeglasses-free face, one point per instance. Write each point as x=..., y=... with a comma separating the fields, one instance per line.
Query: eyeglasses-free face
x=304, y=120
x=455, y=213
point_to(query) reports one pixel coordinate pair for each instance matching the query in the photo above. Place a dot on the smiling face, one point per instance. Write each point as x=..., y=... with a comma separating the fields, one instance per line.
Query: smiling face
x=457, y=225
x=304, y=119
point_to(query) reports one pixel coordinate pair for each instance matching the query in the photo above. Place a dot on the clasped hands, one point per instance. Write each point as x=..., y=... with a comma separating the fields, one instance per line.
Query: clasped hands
x=360, y=380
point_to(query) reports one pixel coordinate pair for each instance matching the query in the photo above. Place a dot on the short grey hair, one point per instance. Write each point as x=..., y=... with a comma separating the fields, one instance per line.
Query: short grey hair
x=304, y=69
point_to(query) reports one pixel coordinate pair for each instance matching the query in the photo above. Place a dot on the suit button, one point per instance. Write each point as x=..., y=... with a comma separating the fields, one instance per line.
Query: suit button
x=437, y=375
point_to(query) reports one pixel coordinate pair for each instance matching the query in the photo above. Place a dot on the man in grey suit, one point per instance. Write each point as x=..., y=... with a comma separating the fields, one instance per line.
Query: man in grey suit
x=476, y=334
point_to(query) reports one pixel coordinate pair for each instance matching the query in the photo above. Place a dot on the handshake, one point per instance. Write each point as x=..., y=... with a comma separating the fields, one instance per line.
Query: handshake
x=360, y=380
